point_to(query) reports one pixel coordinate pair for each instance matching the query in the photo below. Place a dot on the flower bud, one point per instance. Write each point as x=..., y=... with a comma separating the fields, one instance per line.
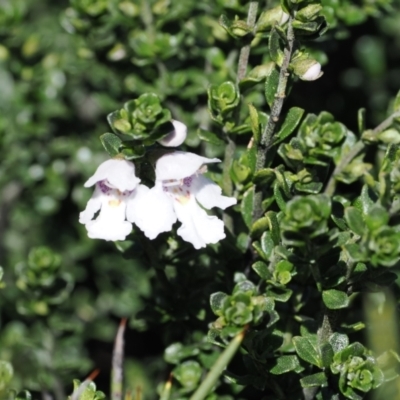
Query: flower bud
x=307, y=69
x=176, y=137
x=271, y=17
x=239, y=28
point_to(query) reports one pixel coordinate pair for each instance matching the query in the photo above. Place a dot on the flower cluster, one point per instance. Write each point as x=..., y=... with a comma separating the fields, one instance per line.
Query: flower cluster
x=180, y=192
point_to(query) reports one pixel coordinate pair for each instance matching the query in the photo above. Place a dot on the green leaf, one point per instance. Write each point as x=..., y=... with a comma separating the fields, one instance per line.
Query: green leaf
x=326, y=354
x=250, y=157
x=111, y=143
x=132, y=153
x=280, y=293
x=118, y=121
x=275, y=47
x=287, y=6
x=188, y=374
x=274, y=226
x=306, y=28
x=209, y=137
x=396, y=104
x=309, y=13
x=225, y=22
x=271, y=86
x=389, y=136
x=318, y=379
x=285, y=364
x=361, y=120
x=307, y=349
x=279, y=197
x=217, y=301
x=254, y=123
x=259, y=227
x=355, y=220
x=267, y=244
x=376, y=218
x=261, y=269
x=264, y=176
x=355, y=252
x=335, y=299
x=292, y=119
x=176, y=352
x=284, y=265
x=281, y=180
x=367, y=199
x=239, y=172
x=6, y=373
x=246, y=207
x=339, y=341
x=340, y=222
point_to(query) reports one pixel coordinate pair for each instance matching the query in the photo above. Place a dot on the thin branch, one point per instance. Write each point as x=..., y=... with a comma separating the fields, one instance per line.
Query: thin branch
x=245, y=50
x=386, y=123
x=269, y=131
x=243, y=62
x=117, y=371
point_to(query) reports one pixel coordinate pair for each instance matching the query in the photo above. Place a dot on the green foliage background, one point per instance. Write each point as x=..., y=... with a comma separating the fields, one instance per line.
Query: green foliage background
x=63, y=68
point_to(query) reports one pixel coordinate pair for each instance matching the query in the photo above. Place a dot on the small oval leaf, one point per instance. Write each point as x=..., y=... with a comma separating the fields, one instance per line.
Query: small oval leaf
x=335, y=299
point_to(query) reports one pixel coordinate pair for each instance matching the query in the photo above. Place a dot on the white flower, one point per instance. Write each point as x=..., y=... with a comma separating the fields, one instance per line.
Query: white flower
x=179, y=192
x=116, y=188
x=176, y=137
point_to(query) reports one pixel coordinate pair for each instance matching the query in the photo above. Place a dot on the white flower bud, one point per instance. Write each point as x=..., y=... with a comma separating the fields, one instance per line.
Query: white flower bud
x=176, y=137
x=313, y=72
x=284, y=18
x=271, y=17
x=307, y=69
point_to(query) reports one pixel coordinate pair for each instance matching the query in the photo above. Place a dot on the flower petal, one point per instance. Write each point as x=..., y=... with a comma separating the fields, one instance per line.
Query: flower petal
x=110, y=224
x=120, y=174
x=180, y=164
x=99, y=229
x=198, y=227
x=93, y=205
x=152, y=212
x=133, y=201
x=176, y=137
x=209, y=194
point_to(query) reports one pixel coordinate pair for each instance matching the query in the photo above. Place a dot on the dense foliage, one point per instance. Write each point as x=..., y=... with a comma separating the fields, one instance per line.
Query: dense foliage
x=299, y=301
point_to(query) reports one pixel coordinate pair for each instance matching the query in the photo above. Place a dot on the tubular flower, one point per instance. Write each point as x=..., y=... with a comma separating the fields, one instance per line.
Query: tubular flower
x=178, y=194
x=116, y=187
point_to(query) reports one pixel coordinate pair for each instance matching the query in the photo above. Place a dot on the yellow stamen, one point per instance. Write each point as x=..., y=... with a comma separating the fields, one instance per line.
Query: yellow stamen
x=114, y=203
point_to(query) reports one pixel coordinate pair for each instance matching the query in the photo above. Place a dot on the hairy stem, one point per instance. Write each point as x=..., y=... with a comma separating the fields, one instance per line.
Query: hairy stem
x=328, y=325
x=227, y=185
x=356, y=149
x=386, y=123
x=268, y=134
x=245, y=50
